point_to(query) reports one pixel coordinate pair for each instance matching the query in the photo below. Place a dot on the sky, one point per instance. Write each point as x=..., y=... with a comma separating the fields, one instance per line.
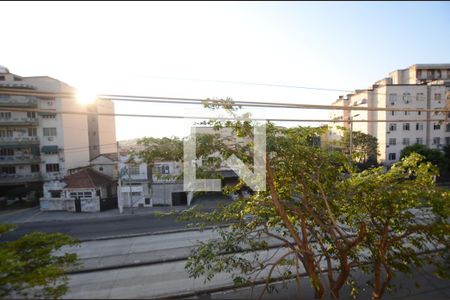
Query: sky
x=153, y=49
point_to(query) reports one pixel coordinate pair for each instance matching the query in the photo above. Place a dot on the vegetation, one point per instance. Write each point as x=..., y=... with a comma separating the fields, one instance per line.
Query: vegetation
x=28, y=267
x=364, y=148
x=319, y=214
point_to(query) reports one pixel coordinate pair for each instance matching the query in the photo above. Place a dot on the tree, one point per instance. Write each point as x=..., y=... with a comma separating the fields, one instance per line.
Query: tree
x=405, y=216
x=312, y=213
x=364, y=147
x=28, y=267
x=435, y=156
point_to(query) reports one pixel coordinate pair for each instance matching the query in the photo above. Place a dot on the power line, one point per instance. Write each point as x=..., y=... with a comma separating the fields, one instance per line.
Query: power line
x=233, y=118
x=177, y=100
x=249, y=83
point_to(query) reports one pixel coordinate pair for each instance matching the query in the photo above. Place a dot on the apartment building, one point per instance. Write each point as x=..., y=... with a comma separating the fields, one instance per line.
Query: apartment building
x=420, y=86
x=38, y=143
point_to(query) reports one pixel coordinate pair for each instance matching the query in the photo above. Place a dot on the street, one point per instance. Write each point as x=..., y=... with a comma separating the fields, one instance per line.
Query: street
x=105, y=224
x=154, y=267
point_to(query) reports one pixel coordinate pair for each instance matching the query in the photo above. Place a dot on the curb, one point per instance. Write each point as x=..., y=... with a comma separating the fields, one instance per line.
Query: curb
x=150, y=233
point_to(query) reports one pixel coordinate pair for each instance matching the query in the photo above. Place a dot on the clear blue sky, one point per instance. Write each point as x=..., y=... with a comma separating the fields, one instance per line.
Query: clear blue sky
x=118, y=47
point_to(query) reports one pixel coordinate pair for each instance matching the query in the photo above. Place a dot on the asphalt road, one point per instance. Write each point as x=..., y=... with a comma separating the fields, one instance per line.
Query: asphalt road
x=101, y=227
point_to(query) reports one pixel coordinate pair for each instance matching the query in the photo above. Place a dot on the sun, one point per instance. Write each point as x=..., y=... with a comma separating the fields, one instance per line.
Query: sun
x=86, y=96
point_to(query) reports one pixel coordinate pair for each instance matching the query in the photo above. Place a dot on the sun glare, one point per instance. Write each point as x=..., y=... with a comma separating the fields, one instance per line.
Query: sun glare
x=86, y=96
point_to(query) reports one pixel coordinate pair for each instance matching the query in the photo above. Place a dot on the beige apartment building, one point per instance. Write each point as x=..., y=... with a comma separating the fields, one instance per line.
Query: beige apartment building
x=420, y=86
x=39, y=147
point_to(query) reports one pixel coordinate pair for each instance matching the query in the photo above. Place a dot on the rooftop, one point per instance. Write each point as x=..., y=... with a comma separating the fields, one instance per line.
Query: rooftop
x=87, y=178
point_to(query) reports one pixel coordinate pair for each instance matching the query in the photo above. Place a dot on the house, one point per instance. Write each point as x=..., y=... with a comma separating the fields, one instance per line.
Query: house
x=106, y=163
x=84, y=191
x=134, y=183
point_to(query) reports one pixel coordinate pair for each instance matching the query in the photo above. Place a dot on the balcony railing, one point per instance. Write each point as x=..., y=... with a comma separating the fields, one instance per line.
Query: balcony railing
x=19, y=140
x=19, y=178
x=53, y=176
x=18, y=101
x=19, y=121
x=19, y=160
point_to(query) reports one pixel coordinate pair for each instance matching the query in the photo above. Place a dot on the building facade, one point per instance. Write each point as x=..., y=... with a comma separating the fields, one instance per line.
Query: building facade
x=39, y=143
x=419, y=87
x=134, y=183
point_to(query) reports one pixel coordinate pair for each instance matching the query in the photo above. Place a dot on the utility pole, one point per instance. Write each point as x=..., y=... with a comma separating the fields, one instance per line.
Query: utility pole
x=351, y=134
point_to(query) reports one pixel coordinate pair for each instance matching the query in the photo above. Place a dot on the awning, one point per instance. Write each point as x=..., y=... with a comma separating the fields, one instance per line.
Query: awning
x=49, y=149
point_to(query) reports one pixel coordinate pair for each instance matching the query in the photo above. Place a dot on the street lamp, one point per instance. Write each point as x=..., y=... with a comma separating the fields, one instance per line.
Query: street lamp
x=351, y=134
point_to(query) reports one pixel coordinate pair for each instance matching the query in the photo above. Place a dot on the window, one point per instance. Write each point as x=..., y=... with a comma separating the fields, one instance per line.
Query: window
x=100, y=169
x=420, y=97
x=135, y=193
x=447, y=127
x=392, y=127
x=32, y=132
x=406, y=126
x=419, y=126
x=437, y=126
x=436, y=140
x=392, y=113
x=55, y=194
x=419, y=141
x=392, y=156
x=17, y=78
x=134, y=170
x=8, y=170
x=52, y=168
x=437, y=74
x=419, y=113
x=392, y=98
x=81, y=195
x=406, y=113
x=6, y=133
x=406, y=97
x=50, y=131
x=447, y=140
x=406, y=141
x=49, y=116
x=6, y=152
x=429, y=74
x=147, y=201
x=437, y=97
x=392, y=141
x=2, y=77
x=31, y=114
x=5, y=115
x=34, y=168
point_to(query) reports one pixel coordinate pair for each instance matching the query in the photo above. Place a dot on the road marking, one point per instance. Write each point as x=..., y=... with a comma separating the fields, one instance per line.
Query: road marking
x=15, y=212
x=29, y=218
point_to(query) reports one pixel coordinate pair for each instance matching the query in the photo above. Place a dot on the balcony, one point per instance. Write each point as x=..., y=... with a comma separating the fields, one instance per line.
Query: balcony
x=18, y=101
x=16, y=85
x=6, y=179
x=26, y=140
x=53, y=176
x=19, y=121
x=19, y=160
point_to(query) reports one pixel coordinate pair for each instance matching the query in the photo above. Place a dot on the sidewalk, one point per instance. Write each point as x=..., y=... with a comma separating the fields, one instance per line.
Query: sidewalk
x=34, y=214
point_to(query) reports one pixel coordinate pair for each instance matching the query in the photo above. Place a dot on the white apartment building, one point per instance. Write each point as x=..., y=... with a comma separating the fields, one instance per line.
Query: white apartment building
x=421, y=86
x=39, y=147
